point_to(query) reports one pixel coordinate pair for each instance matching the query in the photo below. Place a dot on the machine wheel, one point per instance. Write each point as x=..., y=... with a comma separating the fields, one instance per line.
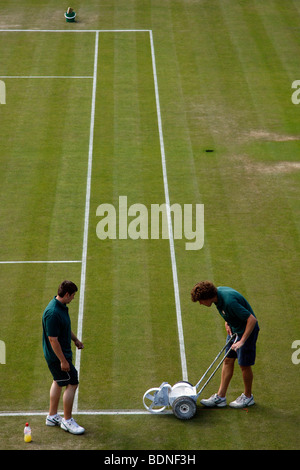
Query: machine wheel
x=148, y=400
x=184, y=408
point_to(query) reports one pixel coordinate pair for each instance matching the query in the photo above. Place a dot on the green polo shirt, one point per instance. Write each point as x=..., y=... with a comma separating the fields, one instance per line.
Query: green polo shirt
x=56, y=322
x=233, y=308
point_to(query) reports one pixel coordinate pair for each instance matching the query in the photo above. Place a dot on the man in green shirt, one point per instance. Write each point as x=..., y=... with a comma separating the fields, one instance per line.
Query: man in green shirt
x=240, y=319
x=57, y=336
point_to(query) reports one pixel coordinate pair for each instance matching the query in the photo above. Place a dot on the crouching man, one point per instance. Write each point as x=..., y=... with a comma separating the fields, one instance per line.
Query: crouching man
x=240, y=319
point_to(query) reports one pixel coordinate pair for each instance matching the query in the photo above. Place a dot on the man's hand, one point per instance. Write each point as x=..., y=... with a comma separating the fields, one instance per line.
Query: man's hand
x=228, y=329
x=65, y=366
x=78, y=344
x=237, y=345
x=251, y=322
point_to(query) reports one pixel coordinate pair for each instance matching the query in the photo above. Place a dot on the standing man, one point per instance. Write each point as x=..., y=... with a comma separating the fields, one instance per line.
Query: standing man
x=57, y=336
x=239, y=318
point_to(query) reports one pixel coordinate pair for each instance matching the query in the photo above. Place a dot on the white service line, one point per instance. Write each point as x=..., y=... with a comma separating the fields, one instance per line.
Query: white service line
x=171, y=239
x=86, y=218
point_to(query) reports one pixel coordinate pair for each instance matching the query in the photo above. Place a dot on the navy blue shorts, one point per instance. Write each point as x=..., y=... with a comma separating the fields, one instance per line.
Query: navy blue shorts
x=246, y=354
x=61, y=377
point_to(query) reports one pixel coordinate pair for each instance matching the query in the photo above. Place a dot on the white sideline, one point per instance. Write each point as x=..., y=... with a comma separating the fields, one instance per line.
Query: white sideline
x=41, y=261
x=86, y=219
x=171, y=239
x=44, y=76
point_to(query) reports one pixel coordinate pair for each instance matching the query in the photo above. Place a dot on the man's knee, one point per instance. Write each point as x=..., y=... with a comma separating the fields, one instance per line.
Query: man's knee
x=72, y=387
x=229, y=361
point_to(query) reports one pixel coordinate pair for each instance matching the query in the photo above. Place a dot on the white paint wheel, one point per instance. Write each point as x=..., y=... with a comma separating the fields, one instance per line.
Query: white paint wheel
x=148, y=400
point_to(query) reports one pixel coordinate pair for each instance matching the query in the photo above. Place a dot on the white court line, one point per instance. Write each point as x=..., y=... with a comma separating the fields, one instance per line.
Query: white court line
x=43, y=76
x=87, y=412
x=37, y=262
x=74, y=30
x=86, y=218
x=171, y=239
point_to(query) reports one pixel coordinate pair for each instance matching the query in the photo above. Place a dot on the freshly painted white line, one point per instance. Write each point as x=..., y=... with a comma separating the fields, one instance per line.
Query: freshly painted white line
x=171, y=239
x=23, y=413
x=41, y=262
x=119, y=412
x=87, y=412
x=86, y=217
x=75, y=30
x=43, y=76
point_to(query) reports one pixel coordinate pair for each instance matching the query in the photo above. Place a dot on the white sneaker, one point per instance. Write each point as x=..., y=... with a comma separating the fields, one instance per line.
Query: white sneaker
x=242, y=402
x=71, y=426
x=214, y=400
x=54, y=420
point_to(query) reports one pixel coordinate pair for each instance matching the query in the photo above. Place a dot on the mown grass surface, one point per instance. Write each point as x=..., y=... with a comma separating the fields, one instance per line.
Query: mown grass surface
x=224, y=73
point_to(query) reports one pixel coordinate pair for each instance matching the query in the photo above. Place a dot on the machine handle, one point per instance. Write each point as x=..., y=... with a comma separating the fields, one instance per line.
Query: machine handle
x=233, y=338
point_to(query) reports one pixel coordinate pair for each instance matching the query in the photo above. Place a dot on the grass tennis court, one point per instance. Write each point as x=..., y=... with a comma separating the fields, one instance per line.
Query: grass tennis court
x=92, y=108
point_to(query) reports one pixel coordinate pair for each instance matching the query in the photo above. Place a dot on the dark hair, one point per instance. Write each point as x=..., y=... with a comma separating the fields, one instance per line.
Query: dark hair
x=203, y=290
x=66, y=287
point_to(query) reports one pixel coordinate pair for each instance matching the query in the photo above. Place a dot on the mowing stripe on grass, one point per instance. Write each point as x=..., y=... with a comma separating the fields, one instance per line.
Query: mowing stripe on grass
x=170, y=228
x=86, y=218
